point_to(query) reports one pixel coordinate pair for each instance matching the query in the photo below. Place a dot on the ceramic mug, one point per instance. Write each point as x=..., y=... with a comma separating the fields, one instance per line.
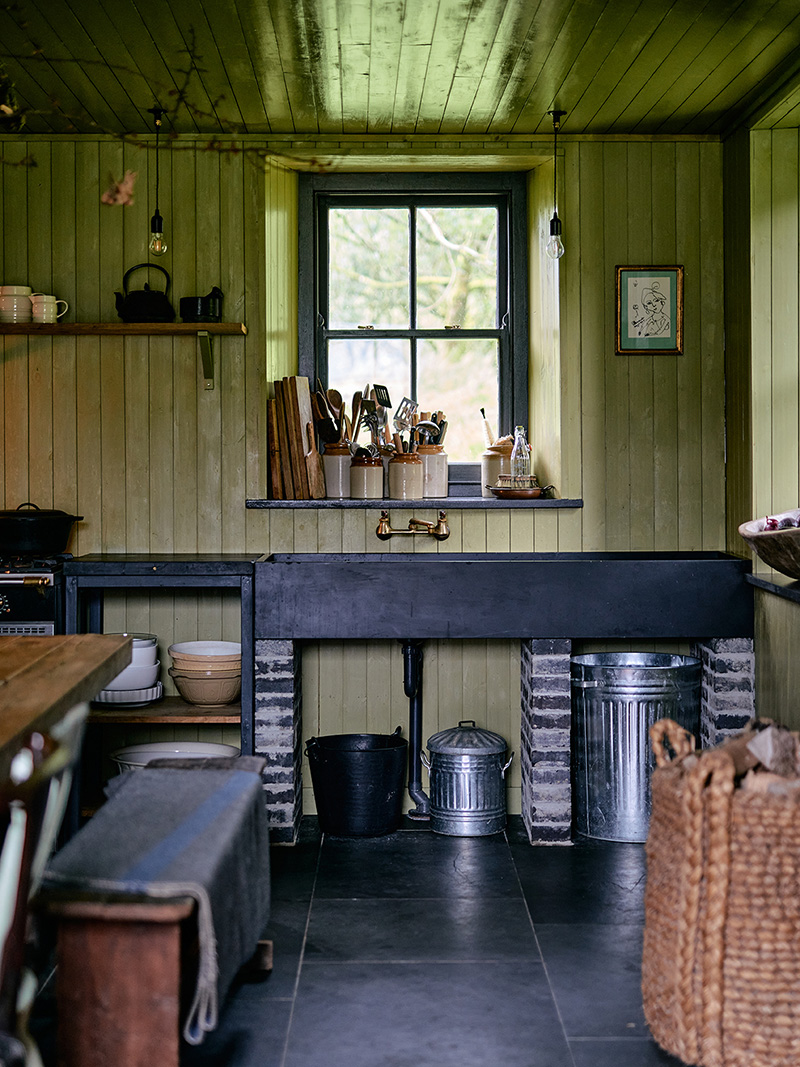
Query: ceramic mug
x=15, y=309
x=45, y=308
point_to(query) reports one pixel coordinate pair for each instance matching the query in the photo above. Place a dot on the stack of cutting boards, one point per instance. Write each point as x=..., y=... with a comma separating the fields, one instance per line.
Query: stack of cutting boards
x=295, y=465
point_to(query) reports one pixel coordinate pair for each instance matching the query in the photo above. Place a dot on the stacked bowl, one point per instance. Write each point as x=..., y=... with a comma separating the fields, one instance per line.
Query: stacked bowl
x=207, y=673
x=138, y=683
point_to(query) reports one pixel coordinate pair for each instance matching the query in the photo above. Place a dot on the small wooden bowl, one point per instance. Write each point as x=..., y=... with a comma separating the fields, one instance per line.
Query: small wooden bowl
x=779, y=549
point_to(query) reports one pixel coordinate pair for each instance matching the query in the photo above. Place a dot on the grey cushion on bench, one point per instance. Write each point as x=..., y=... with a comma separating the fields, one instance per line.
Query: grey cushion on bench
x=200, y=833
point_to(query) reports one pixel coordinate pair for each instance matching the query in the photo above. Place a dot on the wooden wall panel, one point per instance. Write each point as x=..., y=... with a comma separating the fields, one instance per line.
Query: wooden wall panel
x=131, y=439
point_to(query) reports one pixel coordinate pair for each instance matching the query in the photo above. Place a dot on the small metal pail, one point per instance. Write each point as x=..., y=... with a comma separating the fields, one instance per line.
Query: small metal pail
x=467, y=781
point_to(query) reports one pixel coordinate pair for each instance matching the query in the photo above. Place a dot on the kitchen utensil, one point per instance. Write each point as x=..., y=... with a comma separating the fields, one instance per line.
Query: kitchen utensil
x=316, y=472
x=488, y=433
x=356, y=417
x=382, y=396
x=402, y=417
x=144, y=305
x=202, y=308
x=38, y=532
x=335, y=402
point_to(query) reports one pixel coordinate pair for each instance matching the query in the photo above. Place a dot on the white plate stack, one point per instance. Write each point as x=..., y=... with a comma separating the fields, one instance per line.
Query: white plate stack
x=138, y=683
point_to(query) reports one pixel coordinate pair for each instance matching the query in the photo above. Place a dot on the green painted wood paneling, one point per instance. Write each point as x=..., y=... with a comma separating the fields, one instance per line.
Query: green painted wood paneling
x=127, y=434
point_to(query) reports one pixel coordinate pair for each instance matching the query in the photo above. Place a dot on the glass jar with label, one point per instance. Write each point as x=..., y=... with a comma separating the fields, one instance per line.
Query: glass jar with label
x=336, y=462
x=434, y=470
x=366, y=478
x=405, y=476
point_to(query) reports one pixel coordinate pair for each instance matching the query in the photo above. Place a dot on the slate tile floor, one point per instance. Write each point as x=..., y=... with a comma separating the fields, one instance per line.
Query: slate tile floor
x=421, y=950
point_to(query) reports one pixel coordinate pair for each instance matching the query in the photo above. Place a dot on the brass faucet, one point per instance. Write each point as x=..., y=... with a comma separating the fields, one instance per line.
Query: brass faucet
x=440, y=530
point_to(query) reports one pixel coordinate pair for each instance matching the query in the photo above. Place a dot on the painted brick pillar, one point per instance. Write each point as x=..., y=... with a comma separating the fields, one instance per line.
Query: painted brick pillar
x=545, y=740
x=278, y=734
x=727, y=695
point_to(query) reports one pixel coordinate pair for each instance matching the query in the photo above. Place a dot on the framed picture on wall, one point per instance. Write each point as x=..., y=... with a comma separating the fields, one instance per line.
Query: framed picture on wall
x=649, y=310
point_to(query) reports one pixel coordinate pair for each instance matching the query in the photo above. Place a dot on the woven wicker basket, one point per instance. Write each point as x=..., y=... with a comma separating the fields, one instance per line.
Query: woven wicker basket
x=721, y=961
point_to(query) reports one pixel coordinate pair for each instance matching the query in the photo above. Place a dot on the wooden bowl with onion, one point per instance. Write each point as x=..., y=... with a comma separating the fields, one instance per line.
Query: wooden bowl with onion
x=779, y=548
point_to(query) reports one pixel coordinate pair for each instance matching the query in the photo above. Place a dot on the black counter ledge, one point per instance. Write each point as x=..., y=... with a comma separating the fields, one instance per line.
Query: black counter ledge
x=779, y=584
x=454, y=503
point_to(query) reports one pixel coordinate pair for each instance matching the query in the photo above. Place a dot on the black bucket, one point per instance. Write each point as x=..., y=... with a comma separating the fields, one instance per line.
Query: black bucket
x=358, y=782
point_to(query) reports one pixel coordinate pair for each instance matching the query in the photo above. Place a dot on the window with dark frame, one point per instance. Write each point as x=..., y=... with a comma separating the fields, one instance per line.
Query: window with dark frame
x=419, y=282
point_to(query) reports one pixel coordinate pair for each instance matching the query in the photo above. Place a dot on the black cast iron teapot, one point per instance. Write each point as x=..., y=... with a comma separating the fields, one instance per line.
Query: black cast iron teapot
x=144, y=305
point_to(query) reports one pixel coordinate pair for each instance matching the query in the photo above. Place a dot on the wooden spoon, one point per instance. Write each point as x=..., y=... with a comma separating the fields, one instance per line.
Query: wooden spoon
x=335, y=402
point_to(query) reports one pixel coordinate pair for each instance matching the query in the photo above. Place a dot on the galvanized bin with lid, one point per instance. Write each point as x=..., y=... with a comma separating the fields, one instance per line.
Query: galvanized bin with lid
x=467, y=781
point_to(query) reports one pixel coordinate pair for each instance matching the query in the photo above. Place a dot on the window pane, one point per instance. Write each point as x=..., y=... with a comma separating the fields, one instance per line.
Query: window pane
x=457, y=267
x=460, y=377
x=368, y=268
x=355, y=362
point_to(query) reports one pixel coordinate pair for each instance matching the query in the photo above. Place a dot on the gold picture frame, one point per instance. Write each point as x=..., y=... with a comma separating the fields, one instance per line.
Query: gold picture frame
x=649, y=310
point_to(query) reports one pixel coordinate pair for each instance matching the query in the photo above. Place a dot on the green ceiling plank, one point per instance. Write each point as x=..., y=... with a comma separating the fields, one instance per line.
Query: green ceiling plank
x=566, y=51
x=419, y=23
x=673, y=46
x=582, y=71
x=123, y=82
x=743, y=73
x=509, y=39
x=542, y=32
x=95, y=85
x=631, y=65
x=322, y=30
x=469, y=79
x=214, y=72
x=36, y=62
x=673, y=108
x=33, y=100
x=262, y=45
x=225, y=25
x=449, y=39
x=295, y=63
x=355, y=28
x=385, y=47
x=155, y=45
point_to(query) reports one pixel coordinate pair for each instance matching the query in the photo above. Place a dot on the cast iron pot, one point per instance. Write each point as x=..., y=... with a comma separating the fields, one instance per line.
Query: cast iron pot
x=35, y=533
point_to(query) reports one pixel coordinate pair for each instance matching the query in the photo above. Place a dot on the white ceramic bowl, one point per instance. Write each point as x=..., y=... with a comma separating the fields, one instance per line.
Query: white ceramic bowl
x=136, y=756
x=219, y=650
x=136, y=676
x=144, y=649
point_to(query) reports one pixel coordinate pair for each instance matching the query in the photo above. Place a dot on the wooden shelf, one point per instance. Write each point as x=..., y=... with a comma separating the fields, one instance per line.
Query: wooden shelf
x=90, y=329
x=168, y=710
x=203, y=331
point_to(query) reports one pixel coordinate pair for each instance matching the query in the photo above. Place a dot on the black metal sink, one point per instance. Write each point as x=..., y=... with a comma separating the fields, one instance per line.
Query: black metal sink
x=503, y=595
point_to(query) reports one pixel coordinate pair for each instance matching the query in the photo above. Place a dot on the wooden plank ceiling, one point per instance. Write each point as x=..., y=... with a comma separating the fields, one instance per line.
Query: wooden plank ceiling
x=397, y=66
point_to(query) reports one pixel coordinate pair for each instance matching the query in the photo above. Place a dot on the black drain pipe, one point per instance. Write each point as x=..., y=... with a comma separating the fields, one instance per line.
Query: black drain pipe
x=412, y=685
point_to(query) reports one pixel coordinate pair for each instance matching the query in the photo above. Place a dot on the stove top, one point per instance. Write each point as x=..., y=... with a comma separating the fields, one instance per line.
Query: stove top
x=33, y=564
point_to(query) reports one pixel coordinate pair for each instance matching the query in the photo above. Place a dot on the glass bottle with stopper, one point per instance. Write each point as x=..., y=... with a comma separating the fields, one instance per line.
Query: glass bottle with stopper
x=520, y=459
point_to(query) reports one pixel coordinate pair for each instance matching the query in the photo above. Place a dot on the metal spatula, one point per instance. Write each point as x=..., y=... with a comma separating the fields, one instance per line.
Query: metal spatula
x=402, y=417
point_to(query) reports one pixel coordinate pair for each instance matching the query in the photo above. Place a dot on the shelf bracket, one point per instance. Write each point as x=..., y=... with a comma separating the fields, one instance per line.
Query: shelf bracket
x=207, y=356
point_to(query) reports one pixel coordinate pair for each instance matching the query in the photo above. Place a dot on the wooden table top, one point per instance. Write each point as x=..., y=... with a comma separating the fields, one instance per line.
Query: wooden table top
x=41, y=678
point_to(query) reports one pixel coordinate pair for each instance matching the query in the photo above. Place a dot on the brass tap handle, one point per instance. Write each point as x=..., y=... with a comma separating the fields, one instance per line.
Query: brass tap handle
x=440, y=530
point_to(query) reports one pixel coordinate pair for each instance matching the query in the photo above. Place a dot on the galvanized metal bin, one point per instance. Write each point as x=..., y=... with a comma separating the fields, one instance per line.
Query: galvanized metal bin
x=616, y=698
x=467, y=781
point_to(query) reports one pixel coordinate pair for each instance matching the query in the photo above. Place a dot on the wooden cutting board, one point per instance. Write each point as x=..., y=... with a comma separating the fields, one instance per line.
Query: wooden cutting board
x=316, y=471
